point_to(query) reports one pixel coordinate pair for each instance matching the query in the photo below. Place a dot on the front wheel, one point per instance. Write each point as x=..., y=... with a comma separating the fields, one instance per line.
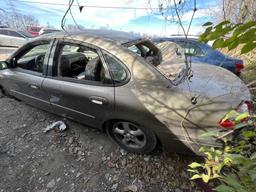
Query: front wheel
x=132, y=137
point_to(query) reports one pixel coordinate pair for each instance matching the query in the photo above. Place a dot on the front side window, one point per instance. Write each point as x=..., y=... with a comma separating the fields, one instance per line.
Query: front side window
x=33, y=59
x=117, y=70
x=80, y=62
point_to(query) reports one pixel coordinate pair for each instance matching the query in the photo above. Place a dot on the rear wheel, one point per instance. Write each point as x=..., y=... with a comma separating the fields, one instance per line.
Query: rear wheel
x=132, y=137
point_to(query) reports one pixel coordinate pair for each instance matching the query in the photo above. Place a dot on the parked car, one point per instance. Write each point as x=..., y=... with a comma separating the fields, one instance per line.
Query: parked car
x=34, y=30
x=200, y=52
x=44, y=31
x=12, y=38
x=118, y=84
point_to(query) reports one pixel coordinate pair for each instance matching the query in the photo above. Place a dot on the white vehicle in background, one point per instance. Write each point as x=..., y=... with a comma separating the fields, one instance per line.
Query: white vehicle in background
x=13, y=38
x=44, y=31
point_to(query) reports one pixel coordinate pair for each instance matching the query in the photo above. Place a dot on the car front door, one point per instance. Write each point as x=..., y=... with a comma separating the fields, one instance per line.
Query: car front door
x=79, y=86
x=24, y=80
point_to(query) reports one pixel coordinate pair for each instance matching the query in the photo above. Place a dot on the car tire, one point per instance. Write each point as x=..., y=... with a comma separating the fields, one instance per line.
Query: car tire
x=132, y=137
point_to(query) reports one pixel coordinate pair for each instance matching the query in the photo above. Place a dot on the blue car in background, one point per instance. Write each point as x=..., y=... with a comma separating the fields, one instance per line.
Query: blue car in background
x=203, y=53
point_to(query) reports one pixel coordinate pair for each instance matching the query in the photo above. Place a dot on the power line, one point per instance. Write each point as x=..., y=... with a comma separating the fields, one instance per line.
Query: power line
x=89, y=6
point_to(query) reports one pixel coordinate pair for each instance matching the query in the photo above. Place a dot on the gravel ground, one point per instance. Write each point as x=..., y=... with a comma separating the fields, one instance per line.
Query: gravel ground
x=77, y=159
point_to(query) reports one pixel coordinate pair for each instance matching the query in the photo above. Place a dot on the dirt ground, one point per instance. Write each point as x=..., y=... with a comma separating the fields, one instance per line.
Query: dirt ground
x=78, y=159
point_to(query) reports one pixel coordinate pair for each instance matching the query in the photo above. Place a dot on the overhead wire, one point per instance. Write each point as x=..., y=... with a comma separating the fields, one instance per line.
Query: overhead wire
x=63, y=20
x=88, y=6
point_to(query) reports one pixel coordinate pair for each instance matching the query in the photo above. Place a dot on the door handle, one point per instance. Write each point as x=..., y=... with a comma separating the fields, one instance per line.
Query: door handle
x=98, y=100
x=33, y=86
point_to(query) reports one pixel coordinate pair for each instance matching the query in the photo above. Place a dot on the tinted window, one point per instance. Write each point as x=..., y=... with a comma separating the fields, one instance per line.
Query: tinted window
x=33, y=59
x=3, y=32
x=26, y=34
x=117, y=70
x=14, y=34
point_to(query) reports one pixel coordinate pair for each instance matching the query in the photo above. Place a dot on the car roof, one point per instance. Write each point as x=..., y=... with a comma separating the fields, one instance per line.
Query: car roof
x=117, y=36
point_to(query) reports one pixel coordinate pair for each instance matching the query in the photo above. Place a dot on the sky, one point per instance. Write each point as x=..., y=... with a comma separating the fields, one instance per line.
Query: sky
x=142, y=16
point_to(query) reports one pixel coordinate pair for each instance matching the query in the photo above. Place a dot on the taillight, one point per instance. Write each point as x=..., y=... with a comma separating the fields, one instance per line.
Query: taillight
x=239, y=115
x=239, y=67
x=227, y=124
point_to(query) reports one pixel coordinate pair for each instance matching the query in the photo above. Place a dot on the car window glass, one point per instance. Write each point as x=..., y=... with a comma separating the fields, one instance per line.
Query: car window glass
x=192, y=49
x=33, y=59
x=80, y=62
x=14, y=34
x=117, y=70
x=135, y=49
x=3, y=32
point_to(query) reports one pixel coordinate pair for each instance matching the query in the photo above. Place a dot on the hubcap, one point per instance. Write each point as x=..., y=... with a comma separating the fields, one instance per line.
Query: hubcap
x=129, y=135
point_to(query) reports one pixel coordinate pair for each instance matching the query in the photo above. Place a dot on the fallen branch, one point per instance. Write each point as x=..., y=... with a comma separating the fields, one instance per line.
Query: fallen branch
x=253, y=88
x=251, y=83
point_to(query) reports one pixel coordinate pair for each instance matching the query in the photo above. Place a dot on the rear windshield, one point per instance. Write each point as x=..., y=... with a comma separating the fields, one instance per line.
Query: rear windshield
x=146, y=49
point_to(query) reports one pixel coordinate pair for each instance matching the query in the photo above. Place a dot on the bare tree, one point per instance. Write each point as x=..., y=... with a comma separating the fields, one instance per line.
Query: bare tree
x=17, y=21
x=239, y=11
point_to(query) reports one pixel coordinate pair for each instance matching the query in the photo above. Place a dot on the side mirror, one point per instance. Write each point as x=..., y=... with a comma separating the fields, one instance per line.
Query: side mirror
x=3, y=65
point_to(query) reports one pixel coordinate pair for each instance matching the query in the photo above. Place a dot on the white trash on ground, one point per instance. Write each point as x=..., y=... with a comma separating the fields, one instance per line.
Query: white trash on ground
x=60, y=124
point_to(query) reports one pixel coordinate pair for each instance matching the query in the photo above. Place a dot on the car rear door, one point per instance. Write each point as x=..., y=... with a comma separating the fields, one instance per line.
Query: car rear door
x=24, y=81
x=87, y=100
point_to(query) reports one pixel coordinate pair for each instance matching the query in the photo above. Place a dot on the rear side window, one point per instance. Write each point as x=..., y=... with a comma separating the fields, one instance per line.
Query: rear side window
x=117, y=69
